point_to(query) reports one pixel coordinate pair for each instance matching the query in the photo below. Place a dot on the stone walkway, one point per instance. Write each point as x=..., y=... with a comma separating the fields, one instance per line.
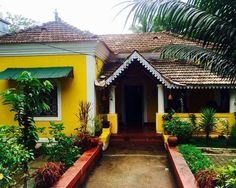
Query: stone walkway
x=220, y=160
x=132, y=166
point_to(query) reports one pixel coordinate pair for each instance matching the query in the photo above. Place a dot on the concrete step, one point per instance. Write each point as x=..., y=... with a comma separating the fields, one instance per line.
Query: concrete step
x=138, y=138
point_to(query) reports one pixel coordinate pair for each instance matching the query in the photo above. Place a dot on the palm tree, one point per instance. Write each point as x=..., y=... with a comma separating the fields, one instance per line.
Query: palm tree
x=210, y=22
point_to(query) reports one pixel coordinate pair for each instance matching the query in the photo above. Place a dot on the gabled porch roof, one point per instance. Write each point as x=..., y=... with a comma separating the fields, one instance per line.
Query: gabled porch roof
x=172, y=74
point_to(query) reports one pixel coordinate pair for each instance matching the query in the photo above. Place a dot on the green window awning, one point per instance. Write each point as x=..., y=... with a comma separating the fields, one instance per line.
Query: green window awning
x=40, y=73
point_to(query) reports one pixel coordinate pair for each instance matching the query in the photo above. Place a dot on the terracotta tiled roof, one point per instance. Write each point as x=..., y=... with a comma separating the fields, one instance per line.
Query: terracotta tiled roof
x=57, y=31
x=142, y=42
x=187, y=74
x=176, y=73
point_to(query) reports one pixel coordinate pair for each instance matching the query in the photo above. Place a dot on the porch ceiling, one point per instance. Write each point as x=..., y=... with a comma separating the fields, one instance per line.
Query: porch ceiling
x=172, y=74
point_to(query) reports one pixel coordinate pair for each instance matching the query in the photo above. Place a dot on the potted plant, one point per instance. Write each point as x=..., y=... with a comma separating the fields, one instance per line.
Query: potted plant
x=179, y=130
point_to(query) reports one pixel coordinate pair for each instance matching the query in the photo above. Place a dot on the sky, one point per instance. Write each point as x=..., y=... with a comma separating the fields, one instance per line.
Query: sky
x=96, y=16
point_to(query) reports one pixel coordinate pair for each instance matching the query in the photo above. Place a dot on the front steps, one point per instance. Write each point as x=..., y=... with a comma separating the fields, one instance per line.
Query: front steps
x=137, y=138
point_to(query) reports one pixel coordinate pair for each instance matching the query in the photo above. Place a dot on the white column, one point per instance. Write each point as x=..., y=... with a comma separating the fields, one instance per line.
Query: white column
x=91, y=72
x=112, y=100
x=232, y=101
x=91, y=95
x=160, y=98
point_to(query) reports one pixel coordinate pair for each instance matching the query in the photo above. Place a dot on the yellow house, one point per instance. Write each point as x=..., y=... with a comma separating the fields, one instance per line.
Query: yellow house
x=121, y=75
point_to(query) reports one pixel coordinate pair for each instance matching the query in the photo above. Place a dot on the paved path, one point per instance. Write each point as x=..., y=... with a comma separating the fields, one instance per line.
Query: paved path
x=132, y=167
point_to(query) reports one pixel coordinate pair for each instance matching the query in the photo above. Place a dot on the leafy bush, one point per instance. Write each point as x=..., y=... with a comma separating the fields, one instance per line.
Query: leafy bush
x=177, y=127
x=232, y=136
x=194, y=158
x=169, y=115
x=13, y=156
x=61, y=148
x=47, y=175
x=227, y=176
x=85, y=142
x=98, y=126
x=208, y=121
x=26, y=100
x=206, y=178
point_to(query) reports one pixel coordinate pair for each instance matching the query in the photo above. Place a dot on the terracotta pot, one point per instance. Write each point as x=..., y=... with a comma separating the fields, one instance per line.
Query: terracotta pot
x=172, y=141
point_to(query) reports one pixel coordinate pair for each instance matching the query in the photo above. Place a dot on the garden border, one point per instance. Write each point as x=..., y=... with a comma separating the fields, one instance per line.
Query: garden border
x=76, y=174
x=183, y=174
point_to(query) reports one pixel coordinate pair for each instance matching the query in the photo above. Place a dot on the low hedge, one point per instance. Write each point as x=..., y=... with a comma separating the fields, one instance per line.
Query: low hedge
x=194, y=158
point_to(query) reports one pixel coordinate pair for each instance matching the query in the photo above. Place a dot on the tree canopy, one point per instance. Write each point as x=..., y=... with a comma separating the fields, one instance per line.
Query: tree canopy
x=18, y=22
x=212, y=23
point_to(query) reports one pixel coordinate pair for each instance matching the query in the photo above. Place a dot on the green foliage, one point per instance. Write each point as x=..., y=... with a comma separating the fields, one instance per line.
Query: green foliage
x=47, y=175
x=177, y=127
x=18, y=22
x=169, y=115
x=13, y=156
x=193, y=120
x=98, y=126
x=216, y=142
x=227, y=176
x=61, y=148
x=232, y=137
x=211, y=23
x=208, y=121
x=26, y=100
x=194, y=158
x=223, y=125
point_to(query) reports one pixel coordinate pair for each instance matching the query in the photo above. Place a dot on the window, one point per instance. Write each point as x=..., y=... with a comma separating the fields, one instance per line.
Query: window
x=54, y=102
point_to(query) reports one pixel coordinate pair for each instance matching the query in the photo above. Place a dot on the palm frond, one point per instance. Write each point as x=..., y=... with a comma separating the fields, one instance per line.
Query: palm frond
x=206, y=58
x=186, y=20
x=197, y=24
x=225, y=9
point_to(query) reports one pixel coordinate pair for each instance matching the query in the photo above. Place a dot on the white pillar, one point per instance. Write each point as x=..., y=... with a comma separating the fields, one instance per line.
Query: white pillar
x=160, y=98
x=232, y=101
x=112, y=100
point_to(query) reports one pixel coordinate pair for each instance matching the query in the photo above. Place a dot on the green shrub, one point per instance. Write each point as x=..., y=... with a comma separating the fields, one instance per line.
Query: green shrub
x=194, y=158
x=61, y=148
x=26, y=100
x=14, y=157
x=232, y=136
x=227, y=176
x=208, y=121
x=177, y=127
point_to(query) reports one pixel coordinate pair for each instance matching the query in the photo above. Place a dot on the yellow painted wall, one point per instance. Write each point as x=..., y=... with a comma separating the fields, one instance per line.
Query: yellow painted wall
x=99, y=65
x=74, y=89
x=185, y=116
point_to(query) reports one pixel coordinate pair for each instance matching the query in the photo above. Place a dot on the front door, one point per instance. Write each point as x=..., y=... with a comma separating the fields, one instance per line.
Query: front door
x=134, y=106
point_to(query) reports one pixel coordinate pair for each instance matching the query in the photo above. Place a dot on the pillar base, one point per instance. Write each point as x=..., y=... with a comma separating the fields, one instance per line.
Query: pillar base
x=113, y=119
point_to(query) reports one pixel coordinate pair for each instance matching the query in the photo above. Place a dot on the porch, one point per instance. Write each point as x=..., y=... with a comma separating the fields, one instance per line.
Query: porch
x=136, y=94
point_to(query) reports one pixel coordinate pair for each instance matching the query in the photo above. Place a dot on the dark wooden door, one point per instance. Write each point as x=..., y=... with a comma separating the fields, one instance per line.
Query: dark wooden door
x=134, y=105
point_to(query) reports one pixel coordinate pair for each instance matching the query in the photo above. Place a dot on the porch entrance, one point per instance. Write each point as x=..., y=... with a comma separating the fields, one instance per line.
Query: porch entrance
x=134, y=106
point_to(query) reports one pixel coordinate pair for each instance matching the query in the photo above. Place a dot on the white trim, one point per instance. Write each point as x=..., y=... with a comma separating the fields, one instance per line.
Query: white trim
x=136, y=56
x=160, y=98
x=112, y=100
x=91, y=73
x=92, y=47
x=59, y=116
x=232, y=101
